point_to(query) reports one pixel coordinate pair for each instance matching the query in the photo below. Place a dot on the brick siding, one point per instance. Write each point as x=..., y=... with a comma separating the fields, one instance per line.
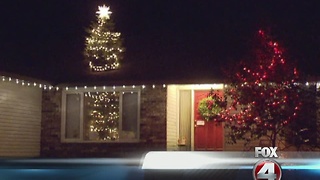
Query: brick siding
x=152, y=129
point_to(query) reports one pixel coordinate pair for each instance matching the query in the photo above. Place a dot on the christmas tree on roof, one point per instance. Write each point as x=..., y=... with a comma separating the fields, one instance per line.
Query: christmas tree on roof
x=103, y=49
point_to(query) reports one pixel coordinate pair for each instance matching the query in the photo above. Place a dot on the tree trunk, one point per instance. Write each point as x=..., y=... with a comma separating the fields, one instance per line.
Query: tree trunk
x=274, y=137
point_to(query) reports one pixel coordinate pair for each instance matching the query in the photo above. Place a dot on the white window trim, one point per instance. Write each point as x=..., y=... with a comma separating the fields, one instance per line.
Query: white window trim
x=81, y=91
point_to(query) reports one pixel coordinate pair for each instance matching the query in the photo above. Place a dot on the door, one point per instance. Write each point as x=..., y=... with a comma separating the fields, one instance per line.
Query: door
x=208, y=135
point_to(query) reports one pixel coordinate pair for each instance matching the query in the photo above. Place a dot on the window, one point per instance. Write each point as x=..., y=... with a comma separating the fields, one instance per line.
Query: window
x=110, y=115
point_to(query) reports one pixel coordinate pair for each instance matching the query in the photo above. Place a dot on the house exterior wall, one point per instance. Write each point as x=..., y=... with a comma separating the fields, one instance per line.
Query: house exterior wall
x=173, y=121
x=20, y=119
x=172, y=118
x=152, y=129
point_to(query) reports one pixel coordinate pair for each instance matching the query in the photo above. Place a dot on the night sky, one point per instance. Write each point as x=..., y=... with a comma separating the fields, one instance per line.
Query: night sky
x=179, y=39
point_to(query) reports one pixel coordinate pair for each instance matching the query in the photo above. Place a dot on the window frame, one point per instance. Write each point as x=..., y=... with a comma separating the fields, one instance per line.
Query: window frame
x=81, y=91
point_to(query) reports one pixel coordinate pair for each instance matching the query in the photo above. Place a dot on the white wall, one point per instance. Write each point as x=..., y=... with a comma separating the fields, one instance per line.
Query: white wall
x=172, y=118
x=20, y=120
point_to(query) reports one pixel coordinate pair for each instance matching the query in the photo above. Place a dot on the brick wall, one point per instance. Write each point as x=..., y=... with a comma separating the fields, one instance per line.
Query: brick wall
x=152, y=129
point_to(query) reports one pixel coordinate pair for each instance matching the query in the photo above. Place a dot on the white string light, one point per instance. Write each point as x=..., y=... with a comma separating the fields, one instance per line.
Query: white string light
x=57, y=88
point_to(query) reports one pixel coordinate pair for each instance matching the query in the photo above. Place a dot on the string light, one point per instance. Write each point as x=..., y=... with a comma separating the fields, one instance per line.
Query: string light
x=24, y=82
x=100, y=54
x=104, y=115
x=271, y=95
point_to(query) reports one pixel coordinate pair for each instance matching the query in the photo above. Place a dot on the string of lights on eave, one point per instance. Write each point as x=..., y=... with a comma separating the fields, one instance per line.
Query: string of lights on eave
x=47, y=86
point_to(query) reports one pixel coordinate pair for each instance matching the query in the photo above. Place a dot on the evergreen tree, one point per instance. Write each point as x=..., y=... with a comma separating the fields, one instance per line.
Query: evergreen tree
x=264, y=94
x=103, y=49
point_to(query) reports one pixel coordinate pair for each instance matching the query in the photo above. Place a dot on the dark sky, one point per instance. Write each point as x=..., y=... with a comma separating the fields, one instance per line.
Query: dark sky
x=45, y=38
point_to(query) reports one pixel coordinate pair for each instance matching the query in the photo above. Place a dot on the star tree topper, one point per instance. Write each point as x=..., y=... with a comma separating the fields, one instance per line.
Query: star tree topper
x=104, y=12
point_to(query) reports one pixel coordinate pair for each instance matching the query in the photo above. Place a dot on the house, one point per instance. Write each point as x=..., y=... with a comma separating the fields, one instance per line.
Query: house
x=108, y=119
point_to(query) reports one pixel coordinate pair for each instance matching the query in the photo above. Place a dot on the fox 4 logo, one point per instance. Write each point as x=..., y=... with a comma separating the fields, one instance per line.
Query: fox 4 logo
x=266, y=152
x=266, y=168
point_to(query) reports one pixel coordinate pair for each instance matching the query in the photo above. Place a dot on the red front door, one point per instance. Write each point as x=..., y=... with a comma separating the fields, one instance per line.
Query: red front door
x=208, y=135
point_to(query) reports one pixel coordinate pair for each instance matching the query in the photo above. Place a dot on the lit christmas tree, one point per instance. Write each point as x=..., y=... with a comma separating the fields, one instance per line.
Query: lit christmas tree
x=103, y=115
x=264, y=95
x=103, y=46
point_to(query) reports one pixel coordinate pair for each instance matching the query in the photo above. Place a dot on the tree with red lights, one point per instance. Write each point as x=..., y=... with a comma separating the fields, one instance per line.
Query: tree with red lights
x=263, y=95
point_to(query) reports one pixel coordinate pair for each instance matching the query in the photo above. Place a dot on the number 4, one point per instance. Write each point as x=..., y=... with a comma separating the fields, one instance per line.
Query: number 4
x=267, y=171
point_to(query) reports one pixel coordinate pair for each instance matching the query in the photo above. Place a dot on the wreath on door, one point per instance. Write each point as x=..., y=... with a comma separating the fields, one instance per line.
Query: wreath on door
x=210, y=107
